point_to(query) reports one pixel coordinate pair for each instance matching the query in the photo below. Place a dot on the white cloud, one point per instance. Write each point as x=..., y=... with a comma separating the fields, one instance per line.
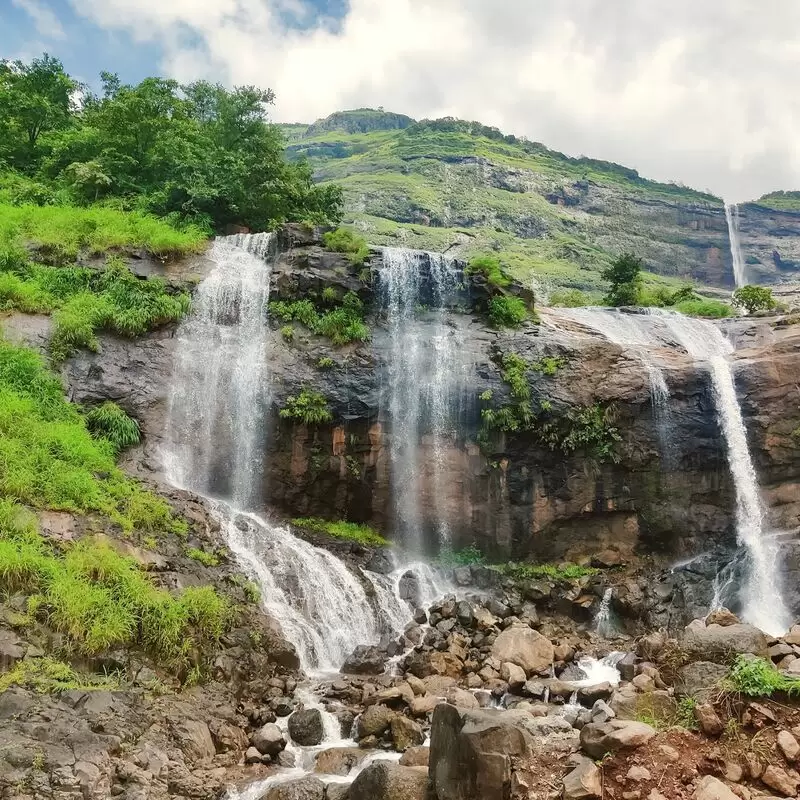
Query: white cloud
x=44, y=19
x=701, y=93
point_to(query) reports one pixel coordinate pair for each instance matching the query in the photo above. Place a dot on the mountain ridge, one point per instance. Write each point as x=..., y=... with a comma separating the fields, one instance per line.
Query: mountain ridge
x=465, y=187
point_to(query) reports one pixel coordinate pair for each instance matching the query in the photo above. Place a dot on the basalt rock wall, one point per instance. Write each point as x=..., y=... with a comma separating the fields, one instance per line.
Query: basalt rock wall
x=669, y=493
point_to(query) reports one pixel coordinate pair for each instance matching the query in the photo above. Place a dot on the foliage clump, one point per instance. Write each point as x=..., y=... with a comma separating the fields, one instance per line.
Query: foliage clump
x=466, y=557
x=341, y=324
x=309, y=407
x=346, y=240
x=507, y=311
x=709, y=309
x=754, y=298
x=352, y=531
x=757, y=677
x=624, y=275
x=48, y=675
x=110, y=422
x=569, y=298
x=100, y=599
x=49, y=459
x=203, y=557
x=491, y=269
x=196, y=152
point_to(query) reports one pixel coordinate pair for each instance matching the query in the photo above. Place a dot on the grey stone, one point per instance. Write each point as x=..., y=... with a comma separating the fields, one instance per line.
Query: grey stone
x=385, y=781
x=610, y=737
x=306, y=728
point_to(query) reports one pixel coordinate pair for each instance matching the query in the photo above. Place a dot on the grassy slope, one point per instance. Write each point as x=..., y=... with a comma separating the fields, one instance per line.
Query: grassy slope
x=468, y=193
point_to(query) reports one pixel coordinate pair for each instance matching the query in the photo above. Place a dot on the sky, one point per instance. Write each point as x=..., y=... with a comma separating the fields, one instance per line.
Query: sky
x=702, y=92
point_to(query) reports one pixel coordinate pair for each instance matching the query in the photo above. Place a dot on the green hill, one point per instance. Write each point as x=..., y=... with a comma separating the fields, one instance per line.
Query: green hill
x=463, y=187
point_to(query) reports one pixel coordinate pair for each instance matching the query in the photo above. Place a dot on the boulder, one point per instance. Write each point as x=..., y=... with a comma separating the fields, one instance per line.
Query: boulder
x=710, y=788
x=779, y=780
x=339, y=760
x=194, y=738
x=723, y=617
x=268, y=740
x=617, y=734
x=461, y=698
x=383, y=780
x=716, y=642
x=306, y=728
x=788, y=745
x=365, y=660
x=513, y=675
x=405, y=733
x=421, y=706
x=698, y=679
x=584, y=782
x=374, y=721
x=415, y=757
x=524, y=647
x=481, y=753
x=708, y=720
x=428, y=663
x=308, y=788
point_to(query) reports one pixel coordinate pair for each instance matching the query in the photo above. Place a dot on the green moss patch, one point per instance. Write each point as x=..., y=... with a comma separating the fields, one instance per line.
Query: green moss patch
x=351, y=531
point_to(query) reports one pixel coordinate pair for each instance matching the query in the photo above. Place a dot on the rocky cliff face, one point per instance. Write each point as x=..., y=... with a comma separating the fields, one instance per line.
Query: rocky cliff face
x=670, y=494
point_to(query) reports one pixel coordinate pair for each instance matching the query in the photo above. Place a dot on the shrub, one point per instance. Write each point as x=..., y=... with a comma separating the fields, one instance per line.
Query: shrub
x=713, y=309
x=329, y=295
x=507, y=312
x=201, y=556
x=491, y=269
x=287, y=332
x=345, y=240
x=754, y=298
x=342, y=325
x=362, y=534
x=110, y=422
x=326, y=363
x=308, y=407
x=624, y=275
x=47, y=675
x=756, y=677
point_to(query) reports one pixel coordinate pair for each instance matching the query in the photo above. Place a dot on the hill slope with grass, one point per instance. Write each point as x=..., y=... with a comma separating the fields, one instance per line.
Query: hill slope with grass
x=464, y=188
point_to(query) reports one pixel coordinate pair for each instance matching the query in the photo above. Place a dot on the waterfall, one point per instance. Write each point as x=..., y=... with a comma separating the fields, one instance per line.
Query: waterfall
x=422, y=392
x=763, y=604
x=739, y=268
x=218, y=404
x=215, y=444
x=603, y=622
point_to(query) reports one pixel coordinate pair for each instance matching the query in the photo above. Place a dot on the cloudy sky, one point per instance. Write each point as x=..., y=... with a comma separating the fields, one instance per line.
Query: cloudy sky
x=698, y=91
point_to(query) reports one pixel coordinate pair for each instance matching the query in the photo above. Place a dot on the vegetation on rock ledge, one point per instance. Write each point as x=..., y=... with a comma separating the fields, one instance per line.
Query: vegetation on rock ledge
x=342, y=324
x=309, y=407
x=352, y=531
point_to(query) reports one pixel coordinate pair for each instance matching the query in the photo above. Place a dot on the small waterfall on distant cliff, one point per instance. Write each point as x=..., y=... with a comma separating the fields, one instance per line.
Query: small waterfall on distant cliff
x=739, y=267
x=762, y=601
x=422, y=395
x=603, y=620
x=219, y=400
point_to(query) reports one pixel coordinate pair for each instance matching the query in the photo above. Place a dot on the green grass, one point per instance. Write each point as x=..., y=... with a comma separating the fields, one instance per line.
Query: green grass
x=309, y=407
x=49, y=459
x=342, y=324
x=713, y=309
x=757, y=677
x=68, y=230
x=560, y=572
x=84, y=301
x=100, y=599
x=109, y=421
x=201, y=556
x=345, y=240
x=46, y=675
x=490, y=268
x=507, y=312
x=351, y=531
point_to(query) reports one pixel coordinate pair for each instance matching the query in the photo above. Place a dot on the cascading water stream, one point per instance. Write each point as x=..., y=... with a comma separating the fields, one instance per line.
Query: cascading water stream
x=215, y=435
x=763, y=604
x=423, y=390
x=734, y=241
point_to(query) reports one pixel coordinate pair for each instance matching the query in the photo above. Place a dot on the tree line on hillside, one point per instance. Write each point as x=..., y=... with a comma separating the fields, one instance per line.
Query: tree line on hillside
x=196, y=152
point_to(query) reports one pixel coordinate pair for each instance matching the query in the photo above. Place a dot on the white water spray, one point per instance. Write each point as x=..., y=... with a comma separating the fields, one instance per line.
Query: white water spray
x=603, y=621
x=423, y=388
x=734, y=241
x=763, y=604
